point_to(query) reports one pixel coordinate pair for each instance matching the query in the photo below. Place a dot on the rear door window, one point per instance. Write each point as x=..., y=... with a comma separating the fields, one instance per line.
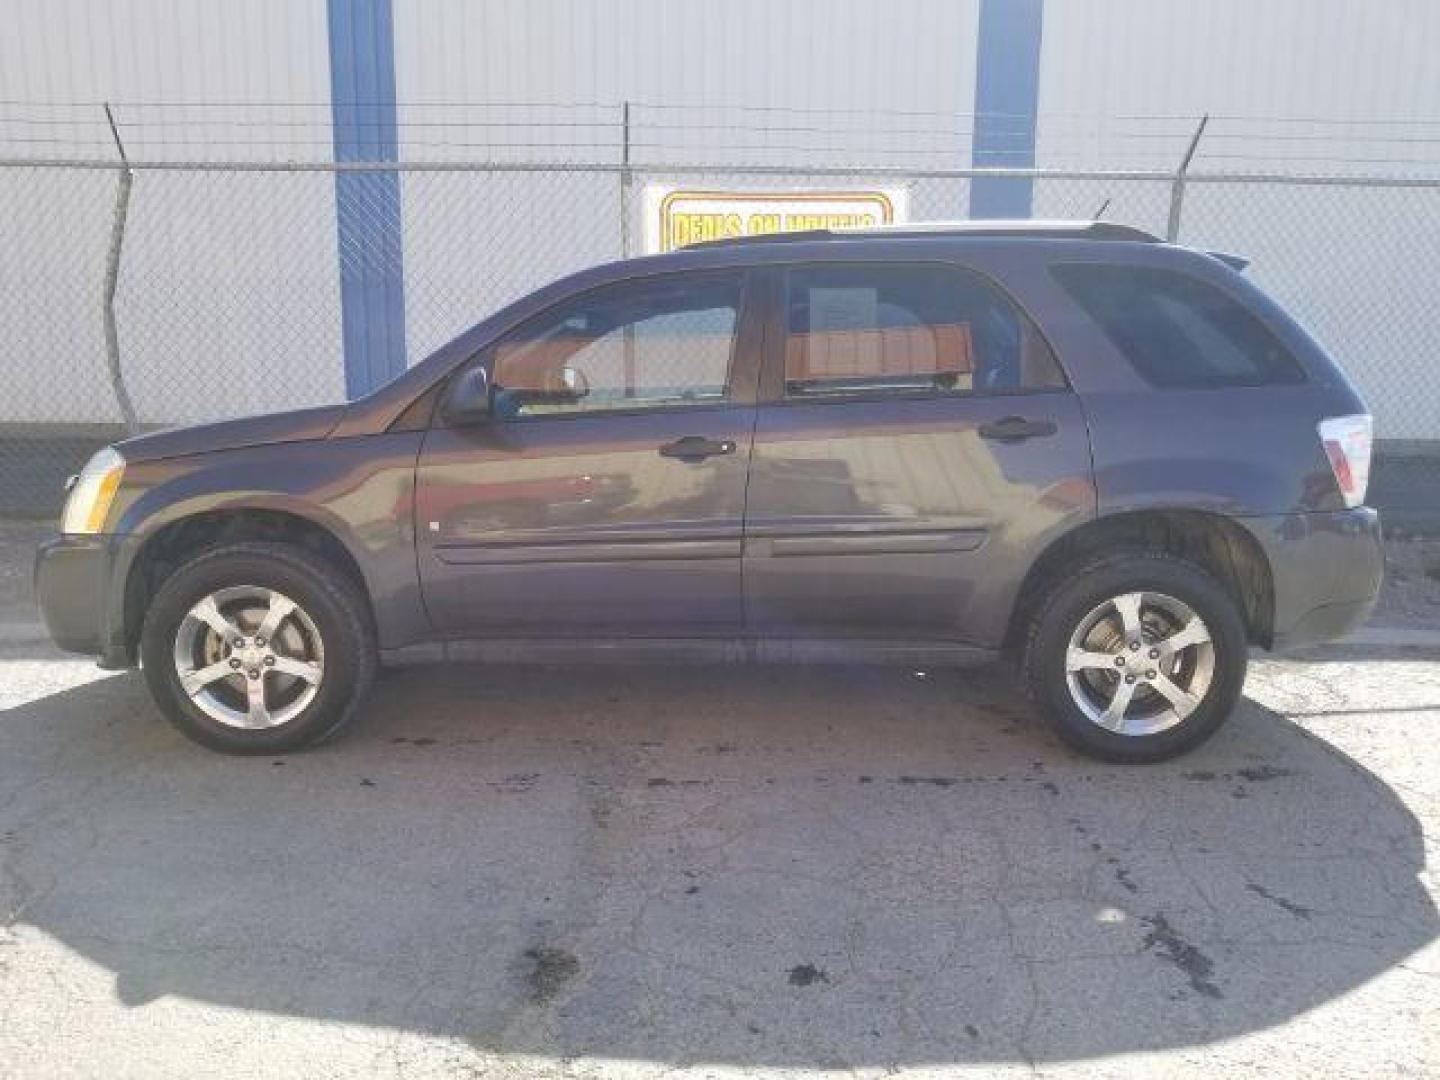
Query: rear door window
x=884, y=328
x=1177, y=331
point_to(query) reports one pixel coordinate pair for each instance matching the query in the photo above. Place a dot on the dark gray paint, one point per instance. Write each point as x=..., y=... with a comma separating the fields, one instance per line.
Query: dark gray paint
x=896, y=519
x=581, y=523
x=832, y=544
x=301, y=425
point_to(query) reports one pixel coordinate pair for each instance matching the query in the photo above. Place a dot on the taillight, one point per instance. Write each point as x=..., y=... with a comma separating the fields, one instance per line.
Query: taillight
x=1347, y=445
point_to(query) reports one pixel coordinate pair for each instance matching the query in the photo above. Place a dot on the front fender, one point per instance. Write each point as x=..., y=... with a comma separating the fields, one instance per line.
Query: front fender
x=358, y=490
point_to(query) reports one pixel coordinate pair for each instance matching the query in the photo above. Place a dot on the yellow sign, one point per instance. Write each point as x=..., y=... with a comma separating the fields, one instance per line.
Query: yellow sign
x=676, y=217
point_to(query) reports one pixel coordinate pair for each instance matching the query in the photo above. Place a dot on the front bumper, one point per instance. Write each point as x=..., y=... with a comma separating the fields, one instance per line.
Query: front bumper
x=73, y=577
x=1326, y=570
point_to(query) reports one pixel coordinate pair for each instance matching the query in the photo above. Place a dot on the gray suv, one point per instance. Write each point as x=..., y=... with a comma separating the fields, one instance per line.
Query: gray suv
x=1112, y=459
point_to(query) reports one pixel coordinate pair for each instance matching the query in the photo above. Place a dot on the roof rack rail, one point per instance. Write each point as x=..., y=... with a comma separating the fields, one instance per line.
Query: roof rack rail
x=1050, y=230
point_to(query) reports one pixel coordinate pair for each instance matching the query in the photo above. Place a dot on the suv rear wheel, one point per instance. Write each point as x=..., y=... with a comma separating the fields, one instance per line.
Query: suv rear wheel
x=257, y=648
x=1136, y=657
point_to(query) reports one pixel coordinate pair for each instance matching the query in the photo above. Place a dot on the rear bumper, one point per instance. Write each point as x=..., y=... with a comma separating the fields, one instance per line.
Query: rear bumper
x=73, y=587
x=1326, y=570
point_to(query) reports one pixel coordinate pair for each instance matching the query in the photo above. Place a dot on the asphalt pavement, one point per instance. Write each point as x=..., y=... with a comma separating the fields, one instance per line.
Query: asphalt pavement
x=719, y=871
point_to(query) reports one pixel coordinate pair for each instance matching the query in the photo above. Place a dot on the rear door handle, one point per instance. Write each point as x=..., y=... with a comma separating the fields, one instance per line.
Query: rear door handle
x=1016, y=429
x=696, y=448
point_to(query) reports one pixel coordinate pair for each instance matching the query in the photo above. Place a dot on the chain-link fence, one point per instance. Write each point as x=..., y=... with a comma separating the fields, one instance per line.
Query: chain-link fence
x=210, y=290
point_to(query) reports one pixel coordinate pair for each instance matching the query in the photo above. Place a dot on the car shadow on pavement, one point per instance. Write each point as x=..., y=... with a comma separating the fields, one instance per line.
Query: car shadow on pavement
x=751, y=866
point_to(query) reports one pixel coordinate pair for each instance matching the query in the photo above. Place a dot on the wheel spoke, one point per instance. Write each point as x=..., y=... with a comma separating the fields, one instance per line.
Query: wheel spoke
x=1114, y=715
x=1124, y=636
x=262, y=632
x=192, y=682
x=1079, y=659
x=258, y=713
x=301, y=669
x=209, y=614
x=1128, y=607
x=1183, y=700
x=1193, y=632
x=280, y=607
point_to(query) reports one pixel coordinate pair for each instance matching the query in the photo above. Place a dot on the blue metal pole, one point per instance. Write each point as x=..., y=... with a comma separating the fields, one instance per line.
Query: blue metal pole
x=1007, y=84
x=367, y=205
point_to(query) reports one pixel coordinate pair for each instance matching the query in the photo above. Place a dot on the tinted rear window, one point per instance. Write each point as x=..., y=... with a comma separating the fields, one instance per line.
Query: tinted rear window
x=1179, y=331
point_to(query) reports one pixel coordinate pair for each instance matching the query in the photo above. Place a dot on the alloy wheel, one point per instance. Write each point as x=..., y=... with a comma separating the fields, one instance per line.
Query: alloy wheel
x=1140, y=663
x=249, y=657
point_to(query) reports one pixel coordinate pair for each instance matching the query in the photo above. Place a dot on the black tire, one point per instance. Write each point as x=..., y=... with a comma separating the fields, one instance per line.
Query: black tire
x=330, y=599
x=1077, y=593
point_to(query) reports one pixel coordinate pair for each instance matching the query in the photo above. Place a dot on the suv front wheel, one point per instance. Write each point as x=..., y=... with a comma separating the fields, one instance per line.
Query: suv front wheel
x=258, y=648
x=1136, y=657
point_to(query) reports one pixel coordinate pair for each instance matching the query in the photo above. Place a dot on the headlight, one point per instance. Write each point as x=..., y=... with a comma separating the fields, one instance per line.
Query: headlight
x=89, y=502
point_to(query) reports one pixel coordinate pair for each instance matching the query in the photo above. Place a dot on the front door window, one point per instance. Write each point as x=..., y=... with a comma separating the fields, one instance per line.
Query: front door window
x=652, y=344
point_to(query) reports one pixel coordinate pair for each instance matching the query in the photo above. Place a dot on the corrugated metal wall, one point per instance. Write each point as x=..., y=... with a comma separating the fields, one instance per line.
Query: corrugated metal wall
x=214, y=81
x=239, y=67
x=1312, y=85
x=1120, y=80
x=1315, y=85
x=814, y=54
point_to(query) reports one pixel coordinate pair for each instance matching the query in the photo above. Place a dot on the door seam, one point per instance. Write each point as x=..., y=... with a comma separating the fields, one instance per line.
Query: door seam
x=767, y=279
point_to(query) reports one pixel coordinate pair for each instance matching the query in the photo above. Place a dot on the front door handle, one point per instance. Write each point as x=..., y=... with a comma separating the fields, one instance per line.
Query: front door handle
x=696, y=448
x=1016, y=429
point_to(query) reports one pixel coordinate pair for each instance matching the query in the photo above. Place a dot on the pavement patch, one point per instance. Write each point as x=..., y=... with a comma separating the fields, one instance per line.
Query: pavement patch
x=552, y=969
x=807, y=975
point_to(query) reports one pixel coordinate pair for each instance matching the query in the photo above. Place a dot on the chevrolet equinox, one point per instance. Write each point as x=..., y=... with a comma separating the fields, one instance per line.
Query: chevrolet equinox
x=1112, y=459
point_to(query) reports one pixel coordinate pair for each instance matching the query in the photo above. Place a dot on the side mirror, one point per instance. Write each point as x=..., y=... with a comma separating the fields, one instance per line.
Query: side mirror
x=468, y=401
x=573, y=385
x=550, y=389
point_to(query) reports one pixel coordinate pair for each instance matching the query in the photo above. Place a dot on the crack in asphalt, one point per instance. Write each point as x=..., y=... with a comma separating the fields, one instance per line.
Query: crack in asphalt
x=1170, y=946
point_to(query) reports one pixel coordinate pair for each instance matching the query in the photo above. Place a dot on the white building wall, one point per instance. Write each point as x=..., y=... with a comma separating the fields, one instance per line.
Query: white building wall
x=195, y=81
x=238, y=65
x=237, y=273
x=1327, y=87
x=1303, y=85
x=746, y=82
x=807, y=54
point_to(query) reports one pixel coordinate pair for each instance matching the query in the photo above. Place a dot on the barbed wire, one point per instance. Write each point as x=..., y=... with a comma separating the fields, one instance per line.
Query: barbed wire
x=229, y=129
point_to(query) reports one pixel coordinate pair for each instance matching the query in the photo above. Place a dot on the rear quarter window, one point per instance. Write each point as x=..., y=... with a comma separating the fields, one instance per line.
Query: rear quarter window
x=1177, y=331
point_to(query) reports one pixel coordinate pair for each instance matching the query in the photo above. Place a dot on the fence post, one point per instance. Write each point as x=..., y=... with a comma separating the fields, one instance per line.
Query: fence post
x=112, y=278
x=1177, y=186
x=628, y=337
x=626, y=180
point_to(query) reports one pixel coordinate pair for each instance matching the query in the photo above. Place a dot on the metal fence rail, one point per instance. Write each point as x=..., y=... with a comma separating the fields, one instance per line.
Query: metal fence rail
x=153, y=292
